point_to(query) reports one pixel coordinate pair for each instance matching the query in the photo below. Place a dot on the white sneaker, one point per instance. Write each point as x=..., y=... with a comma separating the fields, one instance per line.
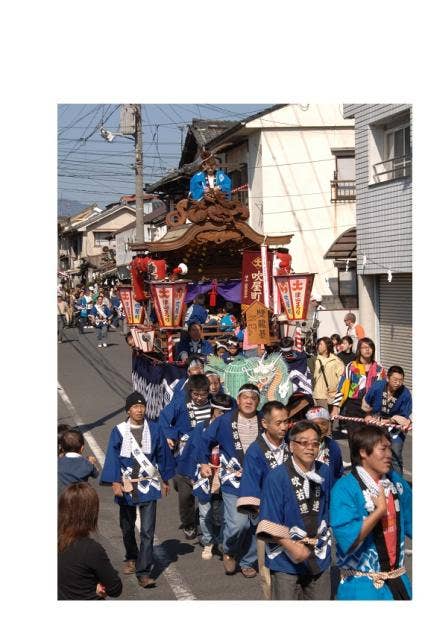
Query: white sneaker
x=100, y=344
x=207, y=552
x=104, y=344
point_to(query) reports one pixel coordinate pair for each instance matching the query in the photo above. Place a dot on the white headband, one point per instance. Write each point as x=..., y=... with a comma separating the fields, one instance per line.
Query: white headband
x=249, y=391
x=217, y=406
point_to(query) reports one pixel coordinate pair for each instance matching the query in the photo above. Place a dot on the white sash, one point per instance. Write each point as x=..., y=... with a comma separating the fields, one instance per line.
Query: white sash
x=230, y=470
x=148, y=473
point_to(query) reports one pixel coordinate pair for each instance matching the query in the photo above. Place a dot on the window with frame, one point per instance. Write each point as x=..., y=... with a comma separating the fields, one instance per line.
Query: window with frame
x=390, y=152
x=343, y=186
x=102, y=238
x=397, y=149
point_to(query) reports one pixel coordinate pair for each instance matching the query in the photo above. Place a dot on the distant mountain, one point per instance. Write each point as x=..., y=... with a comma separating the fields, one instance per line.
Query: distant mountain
x=70, y=207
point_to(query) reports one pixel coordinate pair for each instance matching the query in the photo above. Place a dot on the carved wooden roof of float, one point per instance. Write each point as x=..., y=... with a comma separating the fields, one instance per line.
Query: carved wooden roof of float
x=209, y=250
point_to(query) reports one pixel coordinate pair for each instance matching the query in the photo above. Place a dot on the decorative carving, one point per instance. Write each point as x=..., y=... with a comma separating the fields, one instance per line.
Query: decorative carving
x=218, y=237
x=214, y=207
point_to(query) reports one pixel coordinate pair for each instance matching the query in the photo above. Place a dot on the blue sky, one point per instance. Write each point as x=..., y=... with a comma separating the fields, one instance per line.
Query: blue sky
x=90, y=169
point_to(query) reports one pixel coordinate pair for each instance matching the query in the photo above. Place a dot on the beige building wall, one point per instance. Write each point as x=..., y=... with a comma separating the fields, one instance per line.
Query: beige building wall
x=296, y=166
x=109, y=225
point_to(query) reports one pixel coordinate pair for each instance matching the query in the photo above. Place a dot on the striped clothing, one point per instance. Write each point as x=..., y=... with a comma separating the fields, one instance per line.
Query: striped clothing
x=248, y=430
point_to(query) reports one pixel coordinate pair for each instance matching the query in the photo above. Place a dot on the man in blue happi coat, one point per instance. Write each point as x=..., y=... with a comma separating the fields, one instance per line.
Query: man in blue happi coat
x=233, y=434
x=391, y=401
x=294, y=520
x=370, y=515
x=267, y=452
x=137, y=461
x=210, y=180
x=177, y=426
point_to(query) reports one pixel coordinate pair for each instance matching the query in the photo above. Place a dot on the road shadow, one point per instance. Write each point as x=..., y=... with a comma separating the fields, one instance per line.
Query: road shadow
x=100, y=421
x=168, y=552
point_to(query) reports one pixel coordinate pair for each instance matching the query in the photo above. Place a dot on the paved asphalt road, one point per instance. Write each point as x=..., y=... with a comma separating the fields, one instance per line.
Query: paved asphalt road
x=92, y=386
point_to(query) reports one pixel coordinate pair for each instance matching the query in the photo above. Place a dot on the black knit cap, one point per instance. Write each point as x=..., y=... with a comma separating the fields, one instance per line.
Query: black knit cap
x=134, y=398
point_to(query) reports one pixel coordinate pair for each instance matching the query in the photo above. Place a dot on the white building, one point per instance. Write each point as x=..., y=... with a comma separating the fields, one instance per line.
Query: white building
x=297, y=162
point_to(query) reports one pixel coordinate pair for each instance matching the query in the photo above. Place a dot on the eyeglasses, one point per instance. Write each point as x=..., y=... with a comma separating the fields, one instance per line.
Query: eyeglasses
x=195, y=394
x=306, y=443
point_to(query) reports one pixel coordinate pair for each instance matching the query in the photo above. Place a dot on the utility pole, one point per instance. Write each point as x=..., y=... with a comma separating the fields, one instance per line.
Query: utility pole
x=140, y=229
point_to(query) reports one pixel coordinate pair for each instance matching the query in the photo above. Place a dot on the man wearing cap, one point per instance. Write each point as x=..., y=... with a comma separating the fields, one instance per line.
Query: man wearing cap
x=329, y=451
x=233, y=433
x=137, y=461
x=267, y=452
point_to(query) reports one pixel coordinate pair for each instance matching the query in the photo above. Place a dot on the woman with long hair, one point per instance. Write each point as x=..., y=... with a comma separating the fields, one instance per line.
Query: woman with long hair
x=356, y=380
x=328, y=369
x=84, y=569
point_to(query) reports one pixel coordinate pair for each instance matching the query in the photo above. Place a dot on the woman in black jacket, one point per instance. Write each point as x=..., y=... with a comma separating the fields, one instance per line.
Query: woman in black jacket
x=84, y=569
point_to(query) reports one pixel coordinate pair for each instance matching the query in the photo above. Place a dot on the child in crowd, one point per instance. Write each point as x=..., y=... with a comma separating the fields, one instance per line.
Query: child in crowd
x=221, y=350
x=72, y=466
x=61, y=430
x=207, y=490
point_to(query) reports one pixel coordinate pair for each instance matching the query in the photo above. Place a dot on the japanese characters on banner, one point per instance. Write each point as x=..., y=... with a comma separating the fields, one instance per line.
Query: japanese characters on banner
x=252, y=277
x=133, y=310
x=295, y=291
x=168, y=299
x=257, y=324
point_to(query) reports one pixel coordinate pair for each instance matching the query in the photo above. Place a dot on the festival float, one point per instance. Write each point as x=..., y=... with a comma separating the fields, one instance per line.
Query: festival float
x=210, y=248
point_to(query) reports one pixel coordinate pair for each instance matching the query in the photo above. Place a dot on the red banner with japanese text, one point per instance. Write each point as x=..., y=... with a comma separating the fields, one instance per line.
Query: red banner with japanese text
x=252, y=277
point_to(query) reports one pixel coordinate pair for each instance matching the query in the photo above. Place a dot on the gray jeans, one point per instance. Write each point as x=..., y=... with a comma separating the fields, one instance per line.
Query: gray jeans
x=286, y=586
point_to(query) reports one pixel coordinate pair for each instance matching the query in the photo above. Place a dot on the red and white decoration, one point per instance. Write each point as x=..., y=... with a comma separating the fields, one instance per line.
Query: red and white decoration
x=143, y=340
x=168, y=299
x=133, y=310
x=295, y=290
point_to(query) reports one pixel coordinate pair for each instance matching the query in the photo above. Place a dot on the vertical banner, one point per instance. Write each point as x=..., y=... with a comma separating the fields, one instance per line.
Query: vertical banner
x=126, y=296
x=295, y=291
x=252, y=277
x=277, y=308
x=266, y=275
x=168, y=299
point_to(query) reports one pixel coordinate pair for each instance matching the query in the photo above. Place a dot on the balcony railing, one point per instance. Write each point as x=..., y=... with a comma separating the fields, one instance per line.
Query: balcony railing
x=393, y=168
x=241, y=194
x=343, y=190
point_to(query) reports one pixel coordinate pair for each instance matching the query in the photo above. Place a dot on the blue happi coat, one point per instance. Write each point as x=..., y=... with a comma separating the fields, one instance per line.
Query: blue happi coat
x=220, y=433
x=347, y=513
x=280, y=511
x=256, y=468
x=175, y=423
x=160, y=456
x=331, y=455
x=199, y=183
